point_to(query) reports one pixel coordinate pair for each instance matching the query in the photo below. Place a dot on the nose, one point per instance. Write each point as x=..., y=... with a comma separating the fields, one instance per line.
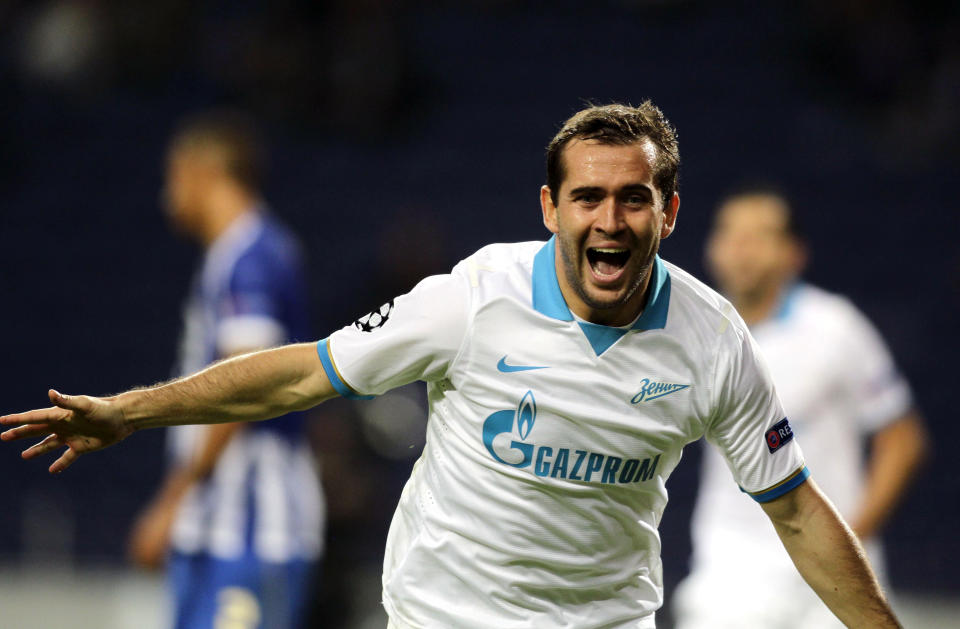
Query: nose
x=609, y=218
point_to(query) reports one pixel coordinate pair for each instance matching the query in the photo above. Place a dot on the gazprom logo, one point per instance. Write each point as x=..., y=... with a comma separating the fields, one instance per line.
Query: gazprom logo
x=650, y=390
x=505, y=436
x=498, y=432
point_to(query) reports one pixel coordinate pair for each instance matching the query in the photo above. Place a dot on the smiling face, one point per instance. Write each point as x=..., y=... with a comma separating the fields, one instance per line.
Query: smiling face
x=609, y=218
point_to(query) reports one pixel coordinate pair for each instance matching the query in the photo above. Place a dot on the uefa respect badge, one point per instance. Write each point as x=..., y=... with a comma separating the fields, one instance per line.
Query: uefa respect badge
x=780, y=434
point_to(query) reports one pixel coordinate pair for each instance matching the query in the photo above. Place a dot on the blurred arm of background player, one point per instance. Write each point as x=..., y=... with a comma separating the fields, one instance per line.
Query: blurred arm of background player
x=829, y=557
x=896, y=452
x=150, y=536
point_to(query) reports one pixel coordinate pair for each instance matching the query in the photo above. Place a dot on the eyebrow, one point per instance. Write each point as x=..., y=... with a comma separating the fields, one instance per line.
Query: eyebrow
x=634, y=187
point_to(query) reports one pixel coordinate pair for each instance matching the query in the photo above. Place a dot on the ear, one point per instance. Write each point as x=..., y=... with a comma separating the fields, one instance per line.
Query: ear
x=670, y=216
x=549, y=210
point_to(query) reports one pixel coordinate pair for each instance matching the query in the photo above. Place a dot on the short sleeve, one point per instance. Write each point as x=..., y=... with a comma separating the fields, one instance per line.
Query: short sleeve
x=413, y=337
x=249, y=312
x=749, y=426
x=877, y=390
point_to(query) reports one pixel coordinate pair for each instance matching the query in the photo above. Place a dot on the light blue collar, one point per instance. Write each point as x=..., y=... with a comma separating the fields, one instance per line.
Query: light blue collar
x=549, y=301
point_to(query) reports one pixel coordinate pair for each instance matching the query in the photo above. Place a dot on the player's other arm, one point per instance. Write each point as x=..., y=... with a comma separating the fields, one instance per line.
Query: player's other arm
x=829, y=557
x=251, y=387
x=897, y=451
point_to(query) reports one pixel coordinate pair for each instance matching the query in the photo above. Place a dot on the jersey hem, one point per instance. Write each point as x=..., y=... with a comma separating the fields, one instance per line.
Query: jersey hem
x=333, y=374
x=783, y=487
x=393, y=616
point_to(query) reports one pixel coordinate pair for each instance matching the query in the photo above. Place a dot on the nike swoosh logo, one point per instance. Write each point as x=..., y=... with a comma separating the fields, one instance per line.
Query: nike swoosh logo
x=505, y=368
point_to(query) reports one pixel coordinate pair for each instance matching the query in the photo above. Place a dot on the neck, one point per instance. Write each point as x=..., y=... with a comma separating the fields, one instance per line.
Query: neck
x=758, y=307
x=225, y=207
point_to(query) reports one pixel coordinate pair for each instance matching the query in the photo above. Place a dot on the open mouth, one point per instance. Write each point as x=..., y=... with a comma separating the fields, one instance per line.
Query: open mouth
x=607, y=261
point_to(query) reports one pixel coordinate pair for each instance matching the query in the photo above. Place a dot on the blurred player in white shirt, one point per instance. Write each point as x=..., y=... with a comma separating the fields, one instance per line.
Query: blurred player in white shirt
x=841, y=390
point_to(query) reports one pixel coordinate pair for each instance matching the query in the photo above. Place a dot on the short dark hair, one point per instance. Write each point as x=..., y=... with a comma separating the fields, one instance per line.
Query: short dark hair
x=231, y=132
x=619, y=124
x=792, y=225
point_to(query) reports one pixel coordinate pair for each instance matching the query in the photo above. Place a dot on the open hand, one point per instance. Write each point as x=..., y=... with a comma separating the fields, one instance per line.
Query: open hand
x=80, y=422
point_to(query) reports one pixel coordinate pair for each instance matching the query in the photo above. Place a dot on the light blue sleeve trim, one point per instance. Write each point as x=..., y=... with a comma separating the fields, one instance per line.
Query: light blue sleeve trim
x=778, y=490
x=339, y=385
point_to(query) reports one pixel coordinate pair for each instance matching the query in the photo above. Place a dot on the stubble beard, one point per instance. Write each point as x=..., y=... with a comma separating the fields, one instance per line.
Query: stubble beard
x=574, y=274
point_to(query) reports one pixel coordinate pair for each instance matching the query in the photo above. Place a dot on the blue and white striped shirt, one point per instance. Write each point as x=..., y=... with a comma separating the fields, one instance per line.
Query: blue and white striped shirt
x=263, y=497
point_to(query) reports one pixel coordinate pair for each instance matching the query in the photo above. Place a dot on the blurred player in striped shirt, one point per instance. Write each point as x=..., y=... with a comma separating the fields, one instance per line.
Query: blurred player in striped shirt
x=239, y=517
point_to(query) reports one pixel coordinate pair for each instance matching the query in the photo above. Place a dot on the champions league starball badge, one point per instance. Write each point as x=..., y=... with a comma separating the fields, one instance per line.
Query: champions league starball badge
x=373, y=320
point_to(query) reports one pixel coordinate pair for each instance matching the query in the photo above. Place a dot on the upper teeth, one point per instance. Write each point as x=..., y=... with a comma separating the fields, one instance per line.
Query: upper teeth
x=608, y=250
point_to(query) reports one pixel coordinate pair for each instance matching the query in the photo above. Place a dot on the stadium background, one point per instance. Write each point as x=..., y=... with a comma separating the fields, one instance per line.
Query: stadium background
x=405, y=135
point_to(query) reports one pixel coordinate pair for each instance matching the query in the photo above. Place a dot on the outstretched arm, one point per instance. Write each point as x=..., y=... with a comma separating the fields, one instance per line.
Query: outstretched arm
x=251, y=387
x=829, y=557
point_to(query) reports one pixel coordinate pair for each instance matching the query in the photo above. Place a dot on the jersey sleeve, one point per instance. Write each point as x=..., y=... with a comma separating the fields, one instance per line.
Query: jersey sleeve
x=750, y=427
x=877, y=390
x=249, y=313
x=413, y=337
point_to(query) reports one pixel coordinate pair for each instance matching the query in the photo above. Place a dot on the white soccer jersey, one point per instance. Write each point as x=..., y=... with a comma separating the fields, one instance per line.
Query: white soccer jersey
x=537, y=497
x=839, y=383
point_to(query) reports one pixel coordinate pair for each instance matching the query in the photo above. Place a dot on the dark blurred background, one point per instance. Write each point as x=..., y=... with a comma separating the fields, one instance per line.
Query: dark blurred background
x=407, y=134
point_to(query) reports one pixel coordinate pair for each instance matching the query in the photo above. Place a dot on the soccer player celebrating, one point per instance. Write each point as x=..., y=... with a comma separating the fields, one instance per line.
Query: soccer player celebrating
x=564, y=379
x=835, y=375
